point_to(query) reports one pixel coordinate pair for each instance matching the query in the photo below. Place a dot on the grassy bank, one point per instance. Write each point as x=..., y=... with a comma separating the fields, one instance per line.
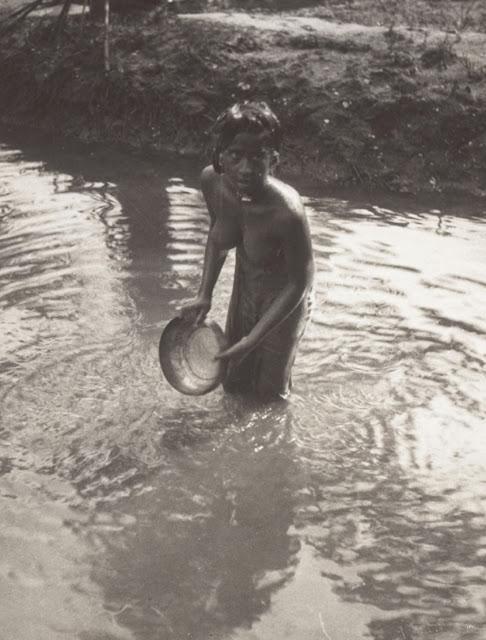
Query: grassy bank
x=382, y=106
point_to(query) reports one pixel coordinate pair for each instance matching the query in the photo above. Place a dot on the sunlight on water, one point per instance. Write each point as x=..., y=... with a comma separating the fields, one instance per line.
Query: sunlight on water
x=130, y=511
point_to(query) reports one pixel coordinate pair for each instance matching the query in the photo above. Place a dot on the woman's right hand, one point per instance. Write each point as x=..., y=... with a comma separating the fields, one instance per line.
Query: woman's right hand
x=196, y=310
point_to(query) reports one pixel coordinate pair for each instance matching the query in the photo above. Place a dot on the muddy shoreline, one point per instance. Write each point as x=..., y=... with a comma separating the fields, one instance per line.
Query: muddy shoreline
x=365, y=109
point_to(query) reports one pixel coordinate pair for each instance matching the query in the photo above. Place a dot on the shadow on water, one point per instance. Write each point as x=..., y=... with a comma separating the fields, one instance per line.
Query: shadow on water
x=129, y=511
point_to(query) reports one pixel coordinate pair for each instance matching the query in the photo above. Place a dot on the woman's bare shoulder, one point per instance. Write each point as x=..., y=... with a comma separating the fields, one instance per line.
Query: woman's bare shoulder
x=209, y=176
x=287, y=199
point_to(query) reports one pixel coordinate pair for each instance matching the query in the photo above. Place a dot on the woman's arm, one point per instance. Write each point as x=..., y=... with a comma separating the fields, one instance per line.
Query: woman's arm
x=297, y=248
x=214, y=258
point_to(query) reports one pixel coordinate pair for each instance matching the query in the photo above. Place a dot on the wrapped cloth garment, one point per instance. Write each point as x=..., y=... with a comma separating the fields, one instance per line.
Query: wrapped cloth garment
x=266, y=370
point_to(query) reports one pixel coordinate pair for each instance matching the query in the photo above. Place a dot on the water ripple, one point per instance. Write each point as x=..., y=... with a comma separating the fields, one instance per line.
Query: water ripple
x=360, y=505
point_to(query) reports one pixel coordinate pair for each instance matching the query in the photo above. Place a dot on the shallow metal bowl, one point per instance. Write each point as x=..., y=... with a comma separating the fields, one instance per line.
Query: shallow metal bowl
x=186, y=354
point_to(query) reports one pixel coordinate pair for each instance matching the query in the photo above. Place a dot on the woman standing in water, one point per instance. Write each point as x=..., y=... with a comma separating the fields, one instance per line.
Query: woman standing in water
x=264, y=219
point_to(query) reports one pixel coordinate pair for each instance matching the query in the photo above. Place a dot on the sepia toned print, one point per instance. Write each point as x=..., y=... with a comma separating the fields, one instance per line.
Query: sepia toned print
x=326, y=480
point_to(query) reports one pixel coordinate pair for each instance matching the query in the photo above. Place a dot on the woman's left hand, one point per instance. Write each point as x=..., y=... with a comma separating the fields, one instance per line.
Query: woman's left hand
x=239, y=350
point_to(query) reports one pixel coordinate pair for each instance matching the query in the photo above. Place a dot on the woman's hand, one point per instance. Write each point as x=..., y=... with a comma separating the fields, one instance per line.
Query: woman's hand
x=196, y=310
x=239, y=350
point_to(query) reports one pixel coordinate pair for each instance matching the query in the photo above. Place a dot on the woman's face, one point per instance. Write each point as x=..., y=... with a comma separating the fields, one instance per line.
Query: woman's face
x=246, y=162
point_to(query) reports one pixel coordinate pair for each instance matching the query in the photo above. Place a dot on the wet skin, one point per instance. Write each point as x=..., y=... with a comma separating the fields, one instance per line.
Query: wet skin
x=248, y=205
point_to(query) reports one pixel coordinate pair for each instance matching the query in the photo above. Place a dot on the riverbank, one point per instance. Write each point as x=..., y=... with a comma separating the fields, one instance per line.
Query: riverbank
x=386, y=107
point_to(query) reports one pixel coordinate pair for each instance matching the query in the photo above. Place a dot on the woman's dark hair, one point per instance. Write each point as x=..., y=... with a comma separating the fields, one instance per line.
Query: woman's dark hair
x=245, y=117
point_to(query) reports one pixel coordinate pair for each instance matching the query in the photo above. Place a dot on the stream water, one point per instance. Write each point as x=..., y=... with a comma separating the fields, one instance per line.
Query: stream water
x=130, y=511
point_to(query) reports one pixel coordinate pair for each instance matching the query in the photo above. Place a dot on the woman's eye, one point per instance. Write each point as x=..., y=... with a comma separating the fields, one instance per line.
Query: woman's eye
x=236, y=156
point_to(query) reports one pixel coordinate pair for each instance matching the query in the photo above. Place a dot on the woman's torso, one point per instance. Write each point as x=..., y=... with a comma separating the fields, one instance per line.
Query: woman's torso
x=250, y=228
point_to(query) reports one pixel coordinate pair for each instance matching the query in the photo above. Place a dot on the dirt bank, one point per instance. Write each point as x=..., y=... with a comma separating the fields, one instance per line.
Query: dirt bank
x=382, y=107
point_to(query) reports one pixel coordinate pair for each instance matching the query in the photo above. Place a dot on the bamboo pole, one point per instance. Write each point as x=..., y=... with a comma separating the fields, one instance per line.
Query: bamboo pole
x=83, y=16
x=107, y=37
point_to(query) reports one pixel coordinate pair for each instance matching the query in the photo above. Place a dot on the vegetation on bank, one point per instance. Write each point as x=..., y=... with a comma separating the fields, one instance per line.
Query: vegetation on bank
x=384, y=105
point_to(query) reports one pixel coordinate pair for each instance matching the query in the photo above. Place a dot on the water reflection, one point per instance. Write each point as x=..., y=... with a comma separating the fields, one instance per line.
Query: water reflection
x=207, y=555
x=358, y=509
